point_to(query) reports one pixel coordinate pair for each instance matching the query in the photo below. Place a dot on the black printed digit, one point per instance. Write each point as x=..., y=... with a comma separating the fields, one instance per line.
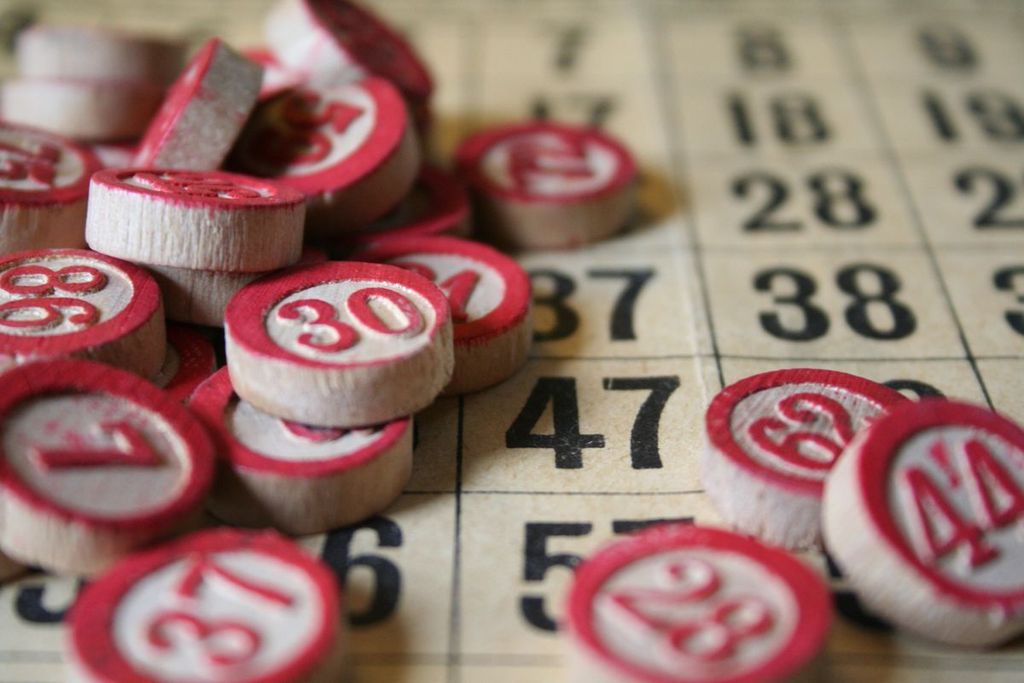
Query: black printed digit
x=874, y=287
x=561, y=287
x=761, y=49
x=537, y=561
x=801, y=288
x=1001, y=191
x=387, y=577
x=621, y=327
x=643, y=439
x=1011, y=279
x=947, y=47
x=565, y=440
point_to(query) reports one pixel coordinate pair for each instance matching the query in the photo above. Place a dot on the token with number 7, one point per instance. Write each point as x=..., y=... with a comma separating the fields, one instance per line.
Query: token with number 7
x=924, y=513
x=339, y=344
x=219, y=605
x=772, y=439
x=687, y=604
x=489, y=296
x=95, y=462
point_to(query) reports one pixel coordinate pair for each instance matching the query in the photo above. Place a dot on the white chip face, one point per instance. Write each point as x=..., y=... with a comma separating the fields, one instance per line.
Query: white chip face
x=800, y=429
x=472, y=287
x=694, y=614
x=956, y=494
x=323, y=134
x=280, y=440
x=352, y=321
x=223, y=616
x=545, y=163
x=36, y=162
x=96, y=454
x=60, y=295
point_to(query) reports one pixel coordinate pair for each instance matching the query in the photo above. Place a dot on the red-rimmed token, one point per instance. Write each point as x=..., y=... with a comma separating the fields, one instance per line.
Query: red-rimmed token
x=42, y=190
x=200, y=297
x=72, y=302
x=299, y=479
x=923, y=513
x=339, y=344
x=95, y=462
x=219, y=605
x=205, y=220
x=436, y=205
x=687, y=604
x=80, y=109
x=489, y=297
x=546, y=185
x=190, y=361
x=348, y=147
x=334, y=38
x=204, y=111
x=276, y=76
x=772, y=439
x=93, y=53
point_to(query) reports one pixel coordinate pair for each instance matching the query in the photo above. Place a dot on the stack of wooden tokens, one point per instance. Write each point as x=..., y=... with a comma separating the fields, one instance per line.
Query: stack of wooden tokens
x=919, y=502
x=89, y=83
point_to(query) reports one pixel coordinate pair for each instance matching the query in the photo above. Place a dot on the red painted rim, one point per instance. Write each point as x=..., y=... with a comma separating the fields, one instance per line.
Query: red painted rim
x=876, y=456
x=807, y=590
x=76, y=191
x=92, y=617
x=65, y=375
x=212, y=400
x=382, y=142
x=472, y=150
x=279, y=197
x=512, y=310
x=247, y=310
x=718, y=419
x=145, y=303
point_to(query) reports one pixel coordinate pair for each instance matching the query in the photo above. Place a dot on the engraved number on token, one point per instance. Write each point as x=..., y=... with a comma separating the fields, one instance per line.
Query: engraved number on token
x=194, y=185
x=18, y=163
x=301, y=141
x=715, y=635
x=220, y=642
x=773, y=434
x=458, y=288
x=331, y=334
x=131, y=449
x=939, y=527
x=563, y=156
x=42, y=311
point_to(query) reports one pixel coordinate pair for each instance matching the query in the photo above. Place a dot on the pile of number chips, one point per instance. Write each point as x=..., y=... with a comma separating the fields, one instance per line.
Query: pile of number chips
x=284, y=194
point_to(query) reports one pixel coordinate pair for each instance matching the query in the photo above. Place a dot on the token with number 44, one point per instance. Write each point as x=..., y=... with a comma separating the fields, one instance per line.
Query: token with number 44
x=924, y=513
x=686, y=604
x=339, y=344
x=220, y=605
x=772, y=439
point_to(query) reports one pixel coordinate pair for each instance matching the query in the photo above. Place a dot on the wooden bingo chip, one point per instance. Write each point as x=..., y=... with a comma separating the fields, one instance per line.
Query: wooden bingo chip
x=72, y=302
x=489, y=297
x=339, y=344
x=437, y=204
x=204, y=111
x=208, y=220
x=81, y=109
x=219, y=605
x=200, y=297
x=95, y=462
x=92, y=53
x=547, y=185
x=692, y=604
x=337, y=40
x=190, y=360
x=43, y=188
x=772, y=439
x=297, y=478
x=923, y=513
x=348, y=147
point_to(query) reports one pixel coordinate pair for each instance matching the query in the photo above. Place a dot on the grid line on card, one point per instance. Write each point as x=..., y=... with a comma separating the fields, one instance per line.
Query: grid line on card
x=454, y=621
x=679, y=167
x=848, y=51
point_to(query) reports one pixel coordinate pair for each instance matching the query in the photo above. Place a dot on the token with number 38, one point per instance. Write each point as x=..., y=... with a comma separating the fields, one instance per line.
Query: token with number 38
x=339, y=344
x=924, y=513
x=772, y=440
x=685, y=604
x=219, y=605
